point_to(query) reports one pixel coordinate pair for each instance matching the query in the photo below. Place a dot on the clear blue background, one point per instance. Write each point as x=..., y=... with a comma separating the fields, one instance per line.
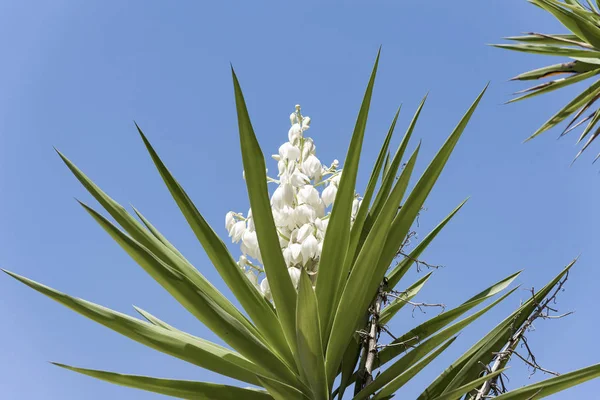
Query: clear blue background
x=76, y=74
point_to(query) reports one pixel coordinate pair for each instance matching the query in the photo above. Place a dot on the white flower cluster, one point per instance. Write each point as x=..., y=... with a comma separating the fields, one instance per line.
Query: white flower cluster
x=299, y=209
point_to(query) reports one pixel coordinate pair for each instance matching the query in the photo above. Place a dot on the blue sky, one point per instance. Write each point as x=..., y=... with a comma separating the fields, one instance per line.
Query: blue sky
x=76, y=74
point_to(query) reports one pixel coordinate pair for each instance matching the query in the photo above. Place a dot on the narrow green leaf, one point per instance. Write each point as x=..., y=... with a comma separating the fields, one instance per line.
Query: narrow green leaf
x=550, y=50
x=575, y=67
x=553, y=385
x=398, y=272
x=197, y=351
x=310, y=348
x=556, y=39
x=174, y=388
x=198, y=303
x=556, y=84
x=157, y=233
x=154, y=320
x=398, y=303
x=282, y=288
x=337, y=236
x=281, y=391
x=250, y=299
x=410, y=373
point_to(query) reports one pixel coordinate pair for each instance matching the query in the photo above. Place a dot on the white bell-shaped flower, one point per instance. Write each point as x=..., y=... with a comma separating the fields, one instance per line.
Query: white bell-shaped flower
x=329, y=194
x=304, y=214
x=295, y=132
x=304, y=231
x=229, y=220
x=288, y=151
x=305, y=123
x=308, y=148
x=242, y=261
x=311, y=166
x=283, y=196
x=309, y=195
x=250, y=244
x=298, y=179
x=355, y=206
x=309, y=248
x=252, y=278
x=294, y=275
x=237, y=230
x=295, y=253
x=265, y=289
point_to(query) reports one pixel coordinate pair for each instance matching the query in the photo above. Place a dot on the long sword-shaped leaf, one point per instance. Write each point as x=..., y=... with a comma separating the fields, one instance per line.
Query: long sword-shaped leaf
x=468, y=366
x=197, y=351
x=252, y=301
x=556, y=69
x=407, y=375
x=199, y=303
x=281, y=391
x=282, y=288
x=175, y=388
x=554, y=85
x=148, y=240
x=398, y=272
x=157, y=233
x=550, y=50
x=388, y=312
x=553, y=385
x=355, y=296
x=310, y=348
x=337, y=236
x=411, y=207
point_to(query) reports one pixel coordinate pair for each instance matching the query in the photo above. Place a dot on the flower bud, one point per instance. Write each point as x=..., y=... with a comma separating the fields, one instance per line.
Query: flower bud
x=229, y=220
x=329, y=194
x=236, y=231
x=288, y=151
x=295, y=133
x=311, y=166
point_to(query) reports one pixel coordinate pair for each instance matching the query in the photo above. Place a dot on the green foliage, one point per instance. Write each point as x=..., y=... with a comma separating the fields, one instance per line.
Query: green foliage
x=582, y=46
x=298, y=347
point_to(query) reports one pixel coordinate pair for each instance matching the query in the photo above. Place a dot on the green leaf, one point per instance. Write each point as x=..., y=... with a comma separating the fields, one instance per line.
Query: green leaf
x=356, y=295
x=310, y=348
x=282, y=288
x=398, y=272
x=194, y=350
x=337, y=236
x=556, y=84
x=553, y=385
x=436, y=323
x=584, y=97
x=281, y=391
x=174, y=388
x=396, y=305
x=407, y=375
x=148, y=240
x=536, y=38
x=156, y=233
x=250, y=299
x=574, y=67
x=154, y=320
x=459, y=392
x=199, y=304
x=550, y=50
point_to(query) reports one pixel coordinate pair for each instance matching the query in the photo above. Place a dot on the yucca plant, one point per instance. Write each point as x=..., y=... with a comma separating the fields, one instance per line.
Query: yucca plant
x=582, y=47
x=310, y=329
